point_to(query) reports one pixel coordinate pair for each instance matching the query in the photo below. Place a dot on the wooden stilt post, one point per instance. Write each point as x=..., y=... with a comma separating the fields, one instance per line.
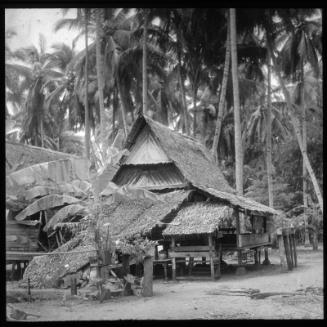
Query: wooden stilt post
x=190, y=265
x=238, y=232
x=282, y=251
x=126, y=270
x=173, y=259
x=148, y=276
x=287, y=250
x=294, y=249
x=73, y=286
x=165, y=271
x=212, y=267
x=255, y=256
x=219, y=253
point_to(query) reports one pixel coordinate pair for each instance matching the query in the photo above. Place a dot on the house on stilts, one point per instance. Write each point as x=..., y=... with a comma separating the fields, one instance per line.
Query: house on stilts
x=197, y=214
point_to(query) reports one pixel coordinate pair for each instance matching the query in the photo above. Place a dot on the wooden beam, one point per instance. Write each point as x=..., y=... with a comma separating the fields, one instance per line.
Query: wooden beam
x=187, y=254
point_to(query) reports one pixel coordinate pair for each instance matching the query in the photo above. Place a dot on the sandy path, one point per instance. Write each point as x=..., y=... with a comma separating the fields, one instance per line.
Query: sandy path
x=190, y=300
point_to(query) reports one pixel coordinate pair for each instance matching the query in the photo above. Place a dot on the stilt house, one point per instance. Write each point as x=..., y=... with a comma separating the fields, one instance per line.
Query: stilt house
x=213, y=218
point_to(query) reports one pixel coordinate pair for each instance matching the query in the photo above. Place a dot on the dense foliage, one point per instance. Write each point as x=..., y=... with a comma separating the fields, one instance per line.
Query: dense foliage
x=185, y=51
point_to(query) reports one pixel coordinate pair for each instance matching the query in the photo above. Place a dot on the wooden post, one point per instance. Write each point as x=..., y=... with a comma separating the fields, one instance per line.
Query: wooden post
x=73, y=286
x=266, y=261
x=173, y=259
x=125, y=264
x=29, y=290
x=219, y=253
x=212, y=267
x=282, y=251
x=238, y=232
x=287, y=251
x=148, y=276
x=165, y=271
x=294, y=250
x=256, y=256
x=190, y=265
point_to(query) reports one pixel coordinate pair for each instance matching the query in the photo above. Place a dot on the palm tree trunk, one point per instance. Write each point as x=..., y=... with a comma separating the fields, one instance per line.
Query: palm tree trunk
x=214, y=149
x=304, y=135
x=296, y=128
x=181, y=82
x=100, y=76
x=268, y=140
x=237, y=120
x=114, y=108
x=42, y=132
x=195, y=91
x=87, y=118
x=144, y=66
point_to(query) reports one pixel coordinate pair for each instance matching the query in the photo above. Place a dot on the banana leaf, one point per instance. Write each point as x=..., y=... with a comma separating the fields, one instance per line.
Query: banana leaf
x=63, y=214
x=47, y=202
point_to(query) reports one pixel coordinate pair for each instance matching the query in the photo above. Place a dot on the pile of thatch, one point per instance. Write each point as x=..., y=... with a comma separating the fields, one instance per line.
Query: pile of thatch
x=46, y=270
x=199, y=218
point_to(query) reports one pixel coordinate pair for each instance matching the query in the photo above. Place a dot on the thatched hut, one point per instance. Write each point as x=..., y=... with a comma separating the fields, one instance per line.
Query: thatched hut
x=162, y=160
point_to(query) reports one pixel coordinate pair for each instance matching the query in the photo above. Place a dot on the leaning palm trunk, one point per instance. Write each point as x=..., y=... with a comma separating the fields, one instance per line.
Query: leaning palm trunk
x=296, y=127
x=87, y=121
x=268, y=140
x=123, y=106
x=214, y=149
x=144, y=66
x=237, y=120
x=100, y=77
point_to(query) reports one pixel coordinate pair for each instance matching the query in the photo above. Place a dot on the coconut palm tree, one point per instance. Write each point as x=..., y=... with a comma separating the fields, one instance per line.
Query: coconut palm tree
x=298, y=50
x=41, y=69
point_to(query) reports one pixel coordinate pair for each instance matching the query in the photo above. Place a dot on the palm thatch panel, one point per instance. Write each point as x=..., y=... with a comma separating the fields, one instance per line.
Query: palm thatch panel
x=192, y=159
x=47, y=202
x=154, y=175
x=63, y=214
x=199, y=218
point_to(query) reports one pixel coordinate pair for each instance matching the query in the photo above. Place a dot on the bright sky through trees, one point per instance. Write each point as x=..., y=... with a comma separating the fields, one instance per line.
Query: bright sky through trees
x=28, y=23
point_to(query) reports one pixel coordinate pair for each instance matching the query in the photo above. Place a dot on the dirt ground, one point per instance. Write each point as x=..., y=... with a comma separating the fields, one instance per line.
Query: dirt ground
x=190, y=299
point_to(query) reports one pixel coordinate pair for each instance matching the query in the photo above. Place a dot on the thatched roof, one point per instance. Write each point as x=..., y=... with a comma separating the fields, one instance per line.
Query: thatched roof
x=192, y=159
x=130, y=217
x=20, y=155
x=239, y=201
x=198, y=218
